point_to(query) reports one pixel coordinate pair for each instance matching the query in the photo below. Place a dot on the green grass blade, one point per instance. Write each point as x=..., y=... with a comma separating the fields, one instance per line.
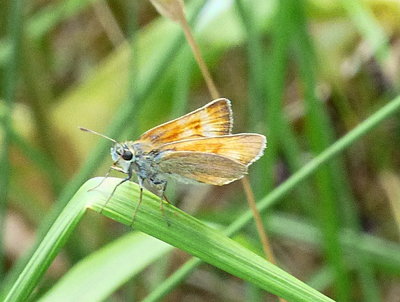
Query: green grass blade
x=382, y=254
x=124, y=257
x=199, y=240
x=185, y=232
x=49, y=246
x=173, y=281
x=389, y=109
x=322, y=279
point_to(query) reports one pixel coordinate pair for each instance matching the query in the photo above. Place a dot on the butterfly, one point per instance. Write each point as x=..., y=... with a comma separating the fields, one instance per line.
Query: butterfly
x=195, y=148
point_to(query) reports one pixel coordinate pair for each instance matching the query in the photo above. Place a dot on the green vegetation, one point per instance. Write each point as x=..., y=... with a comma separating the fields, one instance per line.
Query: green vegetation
x=320, y=81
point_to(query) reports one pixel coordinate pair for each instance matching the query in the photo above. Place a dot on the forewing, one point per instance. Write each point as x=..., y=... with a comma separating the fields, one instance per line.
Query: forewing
x=244, y=148
x=213, y=119
x=202, y=167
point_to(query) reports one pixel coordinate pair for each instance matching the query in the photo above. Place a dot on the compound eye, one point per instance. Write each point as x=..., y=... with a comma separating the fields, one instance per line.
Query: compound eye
x=127, y=155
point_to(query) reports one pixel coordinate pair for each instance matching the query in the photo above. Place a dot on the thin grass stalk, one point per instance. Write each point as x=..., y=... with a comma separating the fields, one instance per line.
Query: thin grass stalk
x=256, y=89
x=14, y=32
x=181, y=96
x=390, y=182
x=109, y=23
x=212, y=88
x=283, y=190
x=278, y=129
x=258, y=220
x=277, y=66
x=126, y=113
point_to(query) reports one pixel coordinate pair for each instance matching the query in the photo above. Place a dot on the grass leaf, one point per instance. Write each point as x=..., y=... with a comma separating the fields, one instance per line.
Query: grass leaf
x=184, y=232
x=124, y=257
x=196, y=238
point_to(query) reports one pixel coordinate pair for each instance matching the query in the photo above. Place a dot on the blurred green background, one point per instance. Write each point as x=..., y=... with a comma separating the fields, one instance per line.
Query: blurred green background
x=304, y=73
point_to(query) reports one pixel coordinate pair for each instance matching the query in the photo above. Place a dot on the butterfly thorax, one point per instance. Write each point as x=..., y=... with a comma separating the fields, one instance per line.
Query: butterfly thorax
x=143, y=162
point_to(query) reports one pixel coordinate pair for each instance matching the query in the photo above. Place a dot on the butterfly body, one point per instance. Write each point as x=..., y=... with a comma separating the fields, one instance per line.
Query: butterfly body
x=132, y=158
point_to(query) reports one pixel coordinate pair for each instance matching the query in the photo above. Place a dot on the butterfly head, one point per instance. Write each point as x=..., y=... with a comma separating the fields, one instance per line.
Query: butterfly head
x=122, y=155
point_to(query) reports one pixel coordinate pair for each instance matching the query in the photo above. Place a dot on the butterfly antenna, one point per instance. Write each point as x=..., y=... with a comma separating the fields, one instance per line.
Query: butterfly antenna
x=99, y=134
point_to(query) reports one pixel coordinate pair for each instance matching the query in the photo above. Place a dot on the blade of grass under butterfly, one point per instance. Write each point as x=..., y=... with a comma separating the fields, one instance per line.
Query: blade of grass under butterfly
x=366, y=126
x=184, y=232
x=210, y=245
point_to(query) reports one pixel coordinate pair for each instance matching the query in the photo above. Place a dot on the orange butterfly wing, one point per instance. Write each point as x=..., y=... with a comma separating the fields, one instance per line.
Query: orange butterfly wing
x=212, y=160
x=244, y=148
x=213, y=119
x=207, y=168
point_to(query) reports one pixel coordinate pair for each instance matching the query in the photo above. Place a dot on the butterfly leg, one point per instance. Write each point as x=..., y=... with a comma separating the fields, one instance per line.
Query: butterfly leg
x=101, y=182
x=113, y=167
x=139, y=203
x=160, y=185
x=162, y=198
x=165, y=198
x=115, y=188
x=140, y=181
